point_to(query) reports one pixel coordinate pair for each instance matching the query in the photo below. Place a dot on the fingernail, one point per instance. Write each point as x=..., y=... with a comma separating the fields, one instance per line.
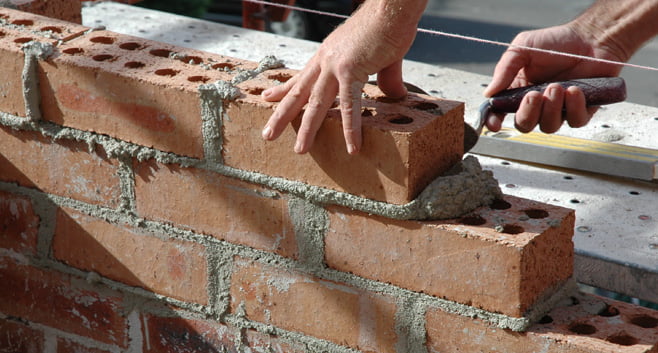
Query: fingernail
x=267, y=133
x=298, y=147
x=351, y=148
x=266, y=93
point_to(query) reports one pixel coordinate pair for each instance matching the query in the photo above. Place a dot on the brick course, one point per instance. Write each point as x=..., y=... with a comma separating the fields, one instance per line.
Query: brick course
x=142, y=248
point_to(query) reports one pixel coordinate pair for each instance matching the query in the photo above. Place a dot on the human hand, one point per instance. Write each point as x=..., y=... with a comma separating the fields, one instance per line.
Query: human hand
x=369, y=42
x=520, y=67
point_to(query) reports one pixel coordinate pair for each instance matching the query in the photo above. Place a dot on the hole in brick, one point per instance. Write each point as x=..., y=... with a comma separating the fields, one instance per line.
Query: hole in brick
x=198, y=79
x=256, y=91
x=622, y=339
x=609, y=311
x=73, y=51
x=582, y=329
x=194, y=60
x=536, y=213
x=134, y=65
x=499, y=204
x=51, y=29
x=22, y=22
x=130, y=46
x=424, y=105
x=545, y=320
x=645, y=321
x=166, y=72
x=102, y=57
x=223, y=66
x=102, y=40
x=23, y=40
x=163, y=53
x=401, y=120
x=366, y=112
x=281, y=77
x=472, y=220
x=512, y=229
x=2, y=34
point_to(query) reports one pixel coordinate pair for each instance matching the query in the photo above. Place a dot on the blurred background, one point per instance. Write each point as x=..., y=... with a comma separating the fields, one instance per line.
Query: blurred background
x=498, y=20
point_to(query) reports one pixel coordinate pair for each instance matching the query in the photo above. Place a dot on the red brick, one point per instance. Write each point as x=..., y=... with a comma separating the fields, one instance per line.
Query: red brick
x=174, y=268
x=66, y=10
x=318, y=308
x=67, y=346
x=395, y=164
x=209, y=203
x=180, y=335
x=60, y=301
x=17, y=337
x=461, y=260
x=64, y=168
x=568, y=329
x=25, y=28
x=19, y=224
x=129, y=88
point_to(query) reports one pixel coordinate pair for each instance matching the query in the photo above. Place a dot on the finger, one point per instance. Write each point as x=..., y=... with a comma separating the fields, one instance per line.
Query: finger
x=290, y=107
x=276, y=93
x=390, y=80
x=321, y=99
x=506, y=70
x=551, y=111
x=527, y=116
x=577, y=114
x=350, y=111
x=495, y=122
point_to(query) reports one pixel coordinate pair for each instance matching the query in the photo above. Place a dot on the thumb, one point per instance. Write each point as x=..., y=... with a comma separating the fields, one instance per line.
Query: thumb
x=389, y=80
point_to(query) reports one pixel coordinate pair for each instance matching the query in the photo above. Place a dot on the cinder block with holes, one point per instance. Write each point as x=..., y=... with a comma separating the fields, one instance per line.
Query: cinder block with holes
x=406, y=143
x=16, y=29
x=133, y=89
x=504, y=258
x=581, y=324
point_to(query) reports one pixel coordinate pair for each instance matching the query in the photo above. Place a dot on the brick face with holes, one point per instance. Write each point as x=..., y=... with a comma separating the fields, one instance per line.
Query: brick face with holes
x=138, y=214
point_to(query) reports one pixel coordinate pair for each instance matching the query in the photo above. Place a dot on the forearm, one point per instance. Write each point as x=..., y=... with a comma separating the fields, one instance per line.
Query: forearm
x=620, y=26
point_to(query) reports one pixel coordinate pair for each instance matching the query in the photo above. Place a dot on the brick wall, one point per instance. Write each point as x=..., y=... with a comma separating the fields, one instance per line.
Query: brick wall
x=140, y=211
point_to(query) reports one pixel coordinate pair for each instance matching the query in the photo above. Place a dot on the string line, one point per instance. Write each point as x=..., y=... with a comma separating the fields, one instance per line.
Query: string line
x=469, y=38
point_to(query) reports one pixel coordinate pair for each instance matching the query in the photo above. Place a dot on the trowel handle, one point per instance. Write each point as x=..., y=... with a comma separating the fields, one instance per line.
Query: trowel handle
x=598, y=91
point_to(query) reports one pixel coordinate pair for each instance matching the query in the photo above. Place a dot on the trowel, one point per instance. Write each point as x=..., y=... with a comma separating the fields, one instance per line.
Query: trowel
x=598, y=91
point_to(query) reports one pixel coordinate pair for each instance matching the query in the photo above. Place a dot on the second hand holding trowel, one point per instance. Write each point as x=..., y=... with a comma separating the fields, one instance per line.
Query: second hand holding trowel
x=597, y=91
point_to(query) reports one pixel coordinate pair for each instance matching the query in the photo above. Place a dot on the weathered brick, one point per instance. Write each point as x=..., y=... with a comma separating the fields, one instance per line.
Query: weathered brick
x=405, y=145
x=323, y=309
x=587, y=327
x=209, y=203
x=500, y=260
x=125, y=254
x=180, y=335
x=66, y=10
x=60, y=301
x=18, y=337
x=64, y=167
x=19, y=224
x=132, y=89
x=67, y=346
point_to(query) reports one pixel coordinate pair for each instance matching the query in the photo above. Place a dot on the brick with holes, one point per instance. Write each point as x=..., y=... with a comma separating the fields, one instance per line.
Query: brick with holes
x=504, y=258
x=134, y=89
x=16, y=29
x=406, y=143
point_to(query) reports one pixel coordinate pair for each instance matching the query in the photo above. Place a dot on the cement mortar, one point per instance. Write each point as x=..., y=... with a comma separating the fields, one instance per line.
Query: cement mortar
x=33, y=52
